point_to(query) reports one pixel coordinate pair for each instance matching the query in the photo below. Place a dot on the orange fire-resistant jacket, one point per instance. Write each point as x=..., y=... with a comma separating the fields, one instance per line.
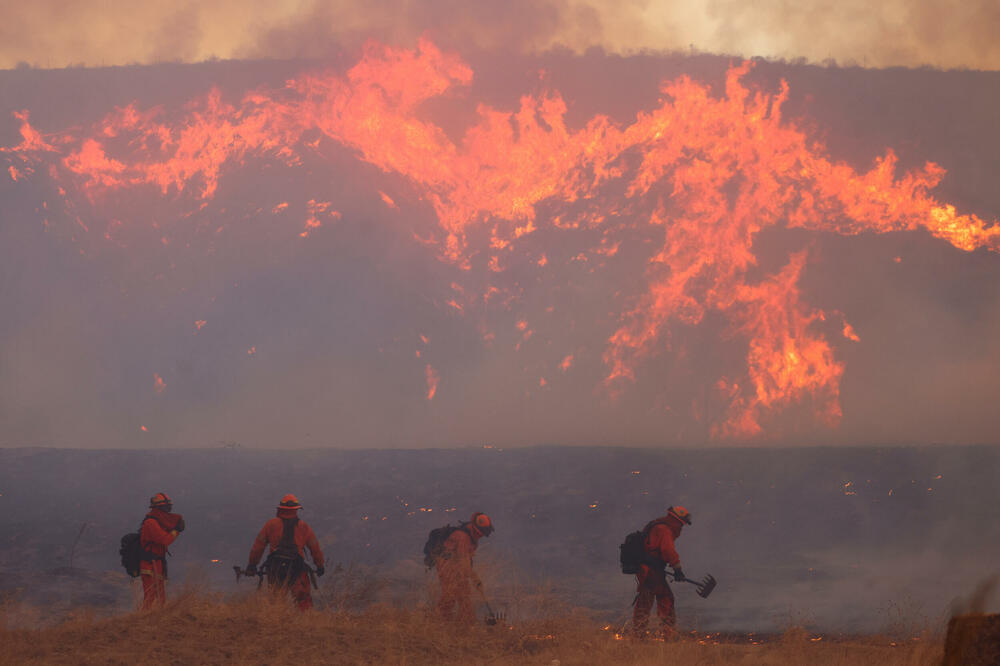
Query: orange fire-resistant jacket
x=270, y=535
x=156, y=534
x=456, y=557
x=660, y=542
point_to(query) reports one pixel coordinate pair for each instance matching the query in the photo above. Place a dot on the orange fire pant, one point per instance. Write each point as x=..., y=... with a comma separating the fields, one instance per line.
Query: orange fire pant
x=154, y=584
x=653, y=587
x=302, y=592
x=300, y=589
x=456, y=593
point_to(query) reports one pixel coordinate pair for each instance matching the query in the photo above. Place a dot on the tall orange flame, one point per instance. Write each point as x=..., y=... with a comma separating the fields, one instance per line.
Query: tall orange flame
x=703, y=174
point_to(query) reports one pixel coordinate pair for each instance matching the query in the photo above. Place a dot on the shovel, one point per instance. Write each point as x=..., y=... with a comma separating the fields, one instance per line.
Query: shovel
x=705, y=586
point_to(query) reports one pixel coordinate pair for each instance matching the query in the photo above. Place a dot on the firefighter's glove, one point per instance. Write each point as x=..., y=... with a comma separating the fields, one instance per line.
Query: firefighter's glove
x=251, y=570
x=320, y=571
x=679, y=575
x=179, y=527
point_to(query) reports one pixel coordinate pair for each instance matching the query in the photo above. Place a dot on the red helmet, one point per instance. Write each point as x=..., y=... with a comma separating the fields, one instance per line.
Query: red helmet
x=482, y=523
x=160, y=501
x=680, y=513
x=289, y=501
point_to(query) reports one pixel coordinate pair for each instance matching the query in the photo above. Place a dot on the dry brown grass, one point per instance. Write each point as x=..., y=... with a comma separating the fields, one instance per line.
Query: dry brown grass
x=258, y=629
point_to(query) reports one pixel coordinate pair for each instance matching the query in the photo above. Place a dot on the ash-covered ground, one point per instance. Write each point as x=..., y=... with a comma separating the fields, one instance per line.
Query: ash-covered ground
x=845, y=539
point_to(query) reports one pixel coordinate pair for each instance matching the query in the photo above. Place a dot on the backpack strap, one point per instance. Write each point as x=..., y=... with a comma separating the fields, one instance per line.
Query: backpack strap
x=287, y=544
x=651, y=524
x=652, y=560
x=145, y=555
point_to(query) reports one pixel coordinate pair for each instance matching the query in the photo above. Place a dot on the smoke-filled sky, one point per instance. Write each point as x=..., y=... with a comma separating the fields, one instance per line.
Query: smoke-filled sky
x=939, y=33
x=416, y=246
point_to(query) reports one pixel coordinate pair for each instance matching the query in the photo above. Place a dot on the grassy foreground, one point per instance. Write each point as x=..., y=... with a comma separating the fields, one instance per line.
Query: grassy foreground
x=260, y=630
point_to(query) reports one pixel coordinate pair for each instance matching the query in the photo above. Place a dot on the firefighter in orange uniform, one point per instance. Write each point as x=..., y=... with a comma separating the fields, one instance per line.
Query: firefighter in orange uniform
x=159, y=529
x=286, y=567
x=455, y=571
x=652, y=579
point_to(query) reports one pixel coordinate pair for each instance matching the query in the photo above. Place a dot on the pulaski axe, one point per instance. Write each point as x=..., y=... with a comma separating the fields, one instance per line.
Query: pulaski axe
x=243, y=572
x=261, y=572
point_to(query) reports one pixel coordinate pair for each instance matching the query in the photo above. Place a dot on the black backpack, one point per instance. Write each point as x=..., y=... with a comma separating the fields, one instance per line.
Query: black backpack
x=633, y=553
x=131, y=551
x=284, y=564
x=434, y=547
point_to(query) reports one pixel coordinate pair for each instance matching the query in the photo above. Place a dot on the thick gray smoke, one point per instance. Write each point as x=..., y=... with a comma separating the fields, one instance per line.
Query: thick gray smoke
x=939, y=33
x=188, y=327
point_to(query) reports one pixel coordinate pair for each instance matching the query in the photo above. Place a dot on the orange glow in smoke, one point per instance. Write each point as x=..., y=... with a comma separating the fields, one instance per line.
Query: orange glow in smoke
x=432, y=381
x=158, y=384
x=567, y=363
x=388, y=200
x=701, y=175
